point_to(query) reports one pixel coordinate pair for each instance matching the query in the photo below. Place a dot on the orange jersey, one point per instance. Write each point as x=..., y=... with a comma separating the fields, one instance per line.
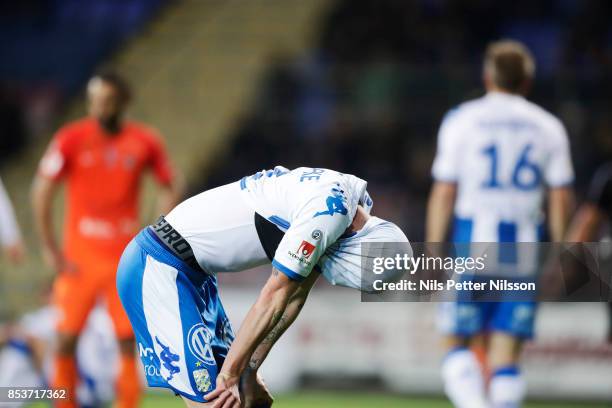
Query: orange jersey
x=103, y=175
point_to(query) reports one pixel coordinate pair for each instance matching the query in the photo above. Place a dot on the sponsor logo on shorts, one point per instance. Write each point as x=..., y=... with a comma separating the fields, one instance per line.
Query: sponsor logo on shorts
x=199, y=340
x=202, y=380
x=146, y=352
x=151, y=371
x=149, y=361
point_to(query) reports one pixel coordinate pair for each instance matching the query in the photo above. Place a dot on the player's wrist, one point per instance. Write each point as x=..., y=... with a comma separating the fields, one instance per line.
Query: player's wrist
x=228, y=377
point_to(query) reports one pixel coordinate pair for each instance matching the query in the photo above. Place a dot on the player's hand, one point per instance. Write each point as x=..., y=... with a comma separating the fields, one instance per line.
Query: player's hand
x=227, y=394
x=15, y=253
x=255, y=391
x=56, y=260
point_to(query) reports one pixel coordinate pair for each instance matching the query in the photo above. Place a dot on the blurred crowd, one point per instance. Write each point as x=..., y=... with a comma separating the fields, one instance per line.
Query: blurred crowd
x=49, y=51
x=369, y=97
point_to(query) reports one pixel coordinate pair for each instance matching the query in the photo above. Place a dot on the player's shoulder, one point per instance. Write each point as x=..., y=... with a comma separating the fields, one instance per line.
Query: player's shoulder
x=463, y=111
x=142, y=129
x=76, y=129
x=542, y=116
x=142, y=132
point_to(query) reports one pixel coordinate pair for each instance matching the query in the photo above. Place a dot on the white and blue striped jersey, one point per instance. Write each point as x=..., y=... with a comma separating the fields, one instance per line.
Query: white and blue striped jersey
x=503, y=152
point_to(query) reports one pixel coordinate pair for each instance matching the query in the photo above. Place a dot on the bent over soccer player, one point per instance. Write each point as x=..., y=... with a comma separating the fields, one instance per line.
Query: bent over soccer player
x=307, y=221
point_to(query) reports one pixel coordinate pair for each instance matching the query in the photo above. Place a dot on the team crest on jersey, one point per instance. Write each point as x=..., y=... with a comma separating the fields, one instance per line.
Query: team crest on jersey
x=199, y=339
x=202, y=380
x=335, y=204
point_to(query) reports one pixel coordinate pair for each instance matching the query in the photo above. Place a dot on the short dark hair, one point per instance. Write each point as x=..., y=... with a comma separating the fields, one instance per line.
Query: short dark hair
x=509, y=64
x=117, y=81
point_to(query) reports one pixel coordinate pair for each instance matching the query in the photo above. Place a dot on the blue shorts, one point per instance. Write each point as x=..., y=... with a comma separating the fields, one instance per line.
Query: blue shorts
x=467, y=319
x=182, y=331
x=511, y=312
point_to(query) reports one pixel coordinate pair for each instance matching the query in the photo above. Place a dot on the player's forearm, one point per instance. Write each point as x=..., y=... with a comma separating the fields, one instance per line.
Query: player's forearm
x=261, y=319
x=585, y=225
x=439, y=211
x=291, y=313
x=561, y=204
x=42, y=196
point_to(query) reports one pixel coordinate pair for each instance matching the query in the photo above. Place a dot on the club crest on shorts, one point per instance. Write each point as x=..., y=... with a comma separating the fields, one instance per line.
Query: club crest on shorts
x=199, y=339
x=202, y=380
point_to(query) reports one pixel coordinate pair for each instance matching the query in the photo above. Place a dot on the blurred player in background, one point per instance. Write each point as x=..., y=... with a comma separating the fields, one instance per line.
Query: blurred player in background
x=103, y=159
x=497, y=158
x=10, y=236
x=594, y=214
x=27, y=349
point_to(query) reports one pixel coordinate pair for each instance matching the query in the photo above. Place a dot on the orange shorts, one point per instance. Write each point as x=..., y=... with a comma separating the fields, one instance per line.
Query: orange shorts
x=76, y=292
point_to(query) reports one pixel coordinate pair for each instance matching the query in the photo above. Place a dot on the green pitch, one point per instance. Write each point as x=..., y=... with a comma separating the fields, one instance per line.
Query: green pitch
x=354, y=400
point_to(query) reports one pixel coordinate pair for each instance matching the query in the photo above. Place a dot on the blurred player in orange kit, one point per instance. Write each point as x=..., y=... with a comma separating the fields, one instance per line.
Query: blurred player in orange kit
x=103, y=159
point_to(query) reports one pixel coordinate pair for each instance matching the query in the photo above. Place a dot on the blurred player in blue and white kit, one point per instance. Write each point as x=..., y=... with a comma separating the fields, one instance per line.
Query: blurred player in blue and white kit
x=26, y=358
x=307, y=222
x=499, y=159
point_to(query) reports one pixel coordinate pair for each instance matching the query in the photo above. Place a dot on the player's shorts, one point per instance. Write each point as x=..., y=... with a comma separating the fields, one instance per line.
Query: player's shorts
x=467, y=319
x=182, y=332
x=75, y=294
x=511, y=312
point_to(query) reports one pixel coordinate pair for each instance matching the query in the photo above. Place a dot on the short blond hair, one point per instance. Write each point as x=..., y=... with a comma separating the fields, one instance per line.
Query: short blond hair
x=509, y=65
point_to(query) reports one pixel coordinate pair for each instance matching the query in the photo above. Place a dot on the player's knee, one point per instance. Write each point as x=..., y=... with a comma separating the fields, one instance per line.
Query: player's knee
x=453, y=342
x=66, y=344
x=501, y=358
x=504, y=350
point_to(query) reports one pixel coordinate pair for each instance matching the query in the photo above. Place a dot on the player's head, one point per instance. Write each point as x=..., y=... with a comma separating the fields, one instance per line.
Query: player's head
x=350, y=260
x=108, y=95
x=508, y=67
